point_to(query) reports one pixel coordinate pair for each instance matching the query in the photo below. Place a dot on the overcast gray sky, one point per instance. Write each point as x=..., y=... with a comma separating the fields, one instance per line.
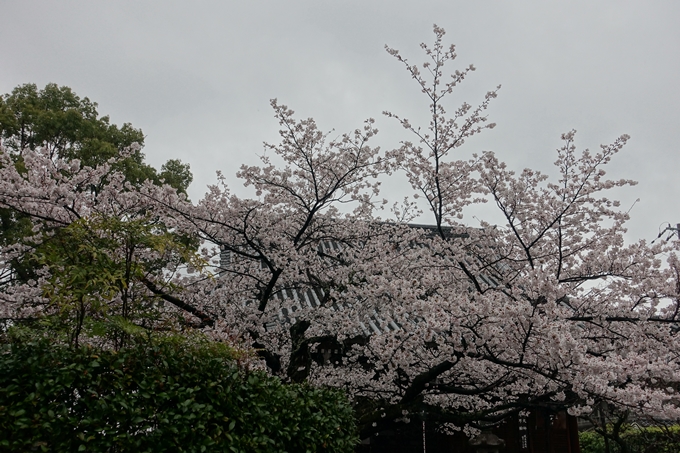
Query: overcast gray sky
x=197, y=76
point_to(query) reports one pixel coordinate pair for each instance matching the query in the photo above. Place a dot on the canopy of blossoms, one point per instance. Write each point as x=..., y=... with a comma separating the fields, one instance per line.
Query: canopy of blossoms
x=550, y=309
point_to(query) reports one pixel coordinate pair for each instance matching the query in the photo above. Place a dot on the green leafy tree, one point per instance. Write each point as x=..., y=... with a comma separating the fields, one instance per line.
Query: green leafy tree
x=176, y=174
x=70, y=127
x=96, y=263
x=98, y=267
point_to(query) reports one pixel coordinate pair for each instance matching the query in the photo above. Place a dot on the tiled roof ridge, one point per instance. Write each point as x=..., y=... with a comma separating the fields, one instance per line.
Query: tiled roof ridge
x=307, y=298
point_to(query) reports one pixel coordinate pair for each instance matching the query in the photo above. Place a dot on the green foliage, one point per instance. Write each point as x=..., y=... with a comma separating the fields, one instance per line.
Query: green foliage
x=96, y=268
x=650, y=439
x=654, y=439
x=591, y=442
x=162, y=395
x=176, y=174
x=70, y=127
x=13, y=228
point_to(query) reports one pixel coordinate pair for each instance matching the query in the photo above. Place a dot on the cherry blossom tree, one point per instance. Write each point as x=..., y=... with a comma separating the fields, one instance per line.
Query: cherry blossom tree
x=96, y=249
x=459, y=324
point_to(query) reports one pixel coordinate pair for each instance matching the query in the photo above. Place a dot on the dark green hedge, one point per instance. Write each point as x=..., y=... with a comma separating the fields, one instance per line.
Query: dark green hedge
x=650, y=439
x=161, y=395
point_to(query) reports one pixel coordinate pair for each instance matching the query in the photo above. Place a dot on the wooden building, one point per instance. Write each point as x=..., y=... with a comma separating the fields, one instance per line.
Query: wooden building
x=540, y=432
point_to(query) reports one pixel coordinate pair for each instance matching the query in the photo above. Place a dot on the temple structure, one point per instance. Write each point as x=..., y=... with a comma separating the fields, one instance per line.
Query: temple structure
x=540, y=432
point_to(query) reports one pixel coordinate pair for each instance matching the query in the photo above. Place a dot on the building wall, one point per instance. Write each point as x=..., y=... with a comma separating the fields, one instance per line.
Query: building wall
x=540, y=432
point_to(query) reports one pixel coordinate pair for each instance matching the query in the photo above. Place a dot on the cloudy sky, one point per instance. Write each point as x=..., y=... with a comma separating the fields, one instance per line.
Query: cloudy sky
x=197, y=76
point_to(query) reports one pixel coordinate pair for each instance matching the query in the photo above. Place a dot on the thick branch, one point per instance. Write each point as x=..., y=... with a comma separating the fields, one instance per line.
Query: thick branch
x=206, y=320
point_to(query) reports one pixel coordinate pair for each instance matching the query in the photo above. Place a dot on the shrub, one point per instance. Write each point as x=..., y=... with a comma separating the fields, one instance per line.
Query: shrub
x=649, y=439
x=161, y=395
x=591, y=442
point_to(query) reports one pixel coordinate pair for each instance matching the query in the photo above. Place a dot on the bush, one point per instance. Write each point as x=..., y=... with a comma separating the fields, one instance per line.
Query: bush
x=591, y=442
x=163, y=395
x=650, y=439
x=654, y=439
